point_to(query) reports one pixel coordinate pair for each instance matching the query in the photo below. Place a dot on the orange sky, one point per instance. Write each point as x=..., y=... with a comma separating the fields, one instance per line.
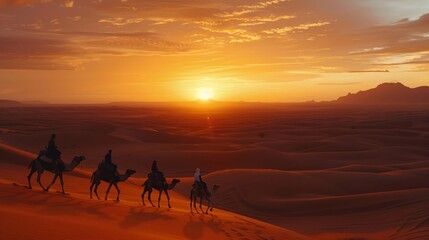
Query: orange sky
x=93, y=51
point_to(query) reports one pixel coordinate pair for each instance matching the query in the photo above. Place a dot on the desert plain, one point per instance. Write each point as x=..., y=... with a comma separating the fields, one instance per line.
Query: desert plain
x=285, y=171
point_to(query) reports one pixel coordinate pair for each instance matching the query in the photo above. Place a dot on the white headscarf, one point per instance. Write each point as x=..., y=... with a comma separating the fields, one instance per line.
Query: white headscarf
x=197, y=175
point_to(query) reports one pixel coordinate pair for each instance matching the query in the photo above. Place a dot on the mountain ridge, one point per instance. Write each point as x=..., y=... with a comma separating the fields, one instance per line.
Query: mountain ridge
x=388, y=93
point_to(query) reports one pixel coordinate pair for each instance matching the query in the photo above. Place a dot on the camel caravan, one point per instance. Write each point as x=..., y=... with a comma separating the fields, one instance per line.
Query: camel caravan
x=50, y=160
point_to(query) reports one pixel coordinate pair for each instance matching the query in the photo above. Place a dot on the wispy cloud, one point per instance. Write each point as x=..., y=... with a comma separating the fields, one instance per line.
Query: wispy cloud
x=263, y=4
x=288, y=29
x=6, y=3
x=120, y=21
x=370, y=71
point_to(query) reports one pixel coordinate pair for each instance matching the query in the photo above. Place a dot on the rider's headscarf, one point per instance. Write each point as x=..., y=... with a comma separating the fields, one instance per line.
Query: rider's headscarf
x=197, y=175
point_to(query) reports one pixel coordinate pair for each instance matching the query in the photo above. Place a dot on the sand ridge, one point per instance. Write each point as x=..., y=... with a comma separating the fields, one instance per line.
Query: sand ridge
x=309, y=173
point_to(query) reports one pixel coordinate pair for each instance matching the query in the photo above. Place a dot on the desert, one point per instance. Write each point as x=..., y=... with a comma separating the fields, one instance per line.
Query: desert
x=285, y=171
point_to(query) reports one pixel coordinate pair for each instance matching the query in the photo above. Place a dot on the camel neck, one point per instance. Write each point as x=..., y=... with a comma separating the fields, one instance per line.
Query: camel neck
x=124, y=177
x=70, y=166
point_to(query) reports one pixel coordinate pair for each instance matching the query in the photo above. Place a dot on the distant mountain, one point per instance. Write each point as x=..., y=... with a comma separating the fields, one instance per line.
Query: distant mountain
x=388, y=93
x=10, y=103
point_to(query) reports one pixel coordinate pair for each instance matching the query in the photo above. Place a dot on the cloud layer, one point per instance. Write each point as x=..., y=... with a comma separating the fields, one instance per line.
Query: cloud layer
x=237, y=42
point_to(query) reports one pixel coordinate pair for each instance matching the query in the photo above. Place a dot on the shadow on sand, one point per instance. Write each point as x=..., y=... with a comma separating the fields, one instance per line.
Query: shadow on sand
x=138, y=215
x=194, y=228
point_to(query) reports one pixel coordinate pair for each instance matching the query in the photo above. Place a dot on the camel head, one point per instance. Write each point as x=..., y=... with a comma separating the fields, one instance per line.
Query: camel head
x=78, y=159
x=175, y=181
x=130, y=172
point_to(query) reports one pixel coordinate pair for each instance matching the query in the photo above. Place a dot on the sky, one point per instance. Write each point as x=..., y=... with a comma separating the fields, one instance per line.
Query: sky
x=95, y=51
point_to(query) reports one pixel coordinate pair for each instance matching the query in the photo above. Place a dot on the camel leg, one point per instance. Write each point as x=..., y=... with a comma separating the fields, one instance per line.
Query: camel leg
x=117, y=189
x=32, y=171
x=144, y=192
x=159, y=198
x=195, y=203
x=168, y=198
x=39, y=175
x=108, y=189
x=209, y=203
x=190, y=203
x=62, y=182
x=201, y=202
x=90, y=189
x=53, y=181
x=148, y=197
x=95, y=190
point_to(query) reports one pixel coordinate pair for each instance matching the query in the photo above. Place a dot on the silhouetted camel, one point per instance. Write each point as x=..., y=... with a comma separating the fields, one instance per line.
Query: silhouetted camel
x=57, y=168
x=160, y=186
x=111, y=178
x=201, y=193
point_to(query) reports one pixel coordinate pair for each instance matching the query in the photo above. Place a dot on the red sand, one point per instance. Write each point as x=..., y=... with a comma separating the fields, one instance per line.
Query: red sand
x=296, y=173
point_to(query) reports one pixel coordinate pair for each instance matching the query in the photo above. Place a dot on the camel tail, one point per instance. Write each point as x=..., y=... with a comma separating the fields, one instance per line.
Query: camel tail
x=144, y=184
x=92, y=177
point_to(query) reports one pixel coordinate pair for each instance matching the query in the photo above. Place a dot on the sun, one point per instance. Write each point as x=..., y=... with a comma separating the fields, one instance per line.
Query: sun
x=205, y=93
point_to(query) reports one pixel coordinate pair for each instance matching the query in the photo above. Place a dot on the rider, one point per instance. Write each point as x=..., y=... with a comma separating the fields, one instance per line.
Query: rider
x=156, y=172
x=198, y=180
x=108, y=164
x=52, y=150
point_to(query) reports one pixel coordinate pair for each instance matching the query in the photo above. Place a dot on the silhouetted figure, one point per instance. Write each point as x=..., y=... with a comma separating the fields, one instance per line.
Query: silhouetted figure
x=202, y=194
x=108, y=157
x=110, y=178
x=108, y=165
x=57, y=168
x=52, y=150
x=156, y=174
x=154, y=167
x=198, y=180
x=161, y=186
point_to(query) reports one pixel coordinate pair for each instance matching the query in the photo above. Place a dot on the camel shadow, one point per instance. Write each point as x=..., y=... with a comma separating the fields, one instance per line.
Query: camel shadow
x=99, y=211
x=194, y=228
x=138, y=215
x=44, y=202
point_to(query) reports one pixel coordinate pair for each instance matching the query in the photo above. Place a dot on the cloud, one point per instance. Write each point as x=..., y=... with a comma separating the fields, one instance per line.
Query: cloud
x=370, y=71
x=245, y=9
x=288, y=29
x=123, y=41
x=404, y=36
x=55, y=51
x=38, y=53
x=8, y=3
x=338, y=83
x=314, y=36
x=68, y=3
x=74, y=18
x=409, y=63
x=119, y=21
x=264, y=4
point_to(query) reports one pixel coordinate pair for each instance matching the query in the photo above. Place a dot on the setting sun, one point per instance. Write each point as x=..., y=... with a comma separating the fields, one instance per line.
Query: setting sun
x=205, y=93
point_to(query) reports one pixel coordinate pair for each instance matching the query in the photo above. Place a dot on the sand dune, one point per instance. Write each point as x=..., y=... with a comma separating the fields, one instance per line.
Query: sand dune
x=307, y=173
x=53, y=215
x=272, y=194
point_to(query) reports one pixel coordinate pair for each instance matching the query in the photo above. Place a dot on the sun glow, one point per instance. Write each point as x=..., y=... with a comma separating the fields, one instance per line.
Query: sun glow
x=205, y=93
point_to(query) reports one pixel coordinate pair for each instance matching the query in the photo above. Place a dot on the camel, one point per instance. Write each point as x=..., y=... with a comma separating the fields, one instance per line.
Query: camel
x=149, y=184
x=57, y=168
x=111, y=178
x=198, y=192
